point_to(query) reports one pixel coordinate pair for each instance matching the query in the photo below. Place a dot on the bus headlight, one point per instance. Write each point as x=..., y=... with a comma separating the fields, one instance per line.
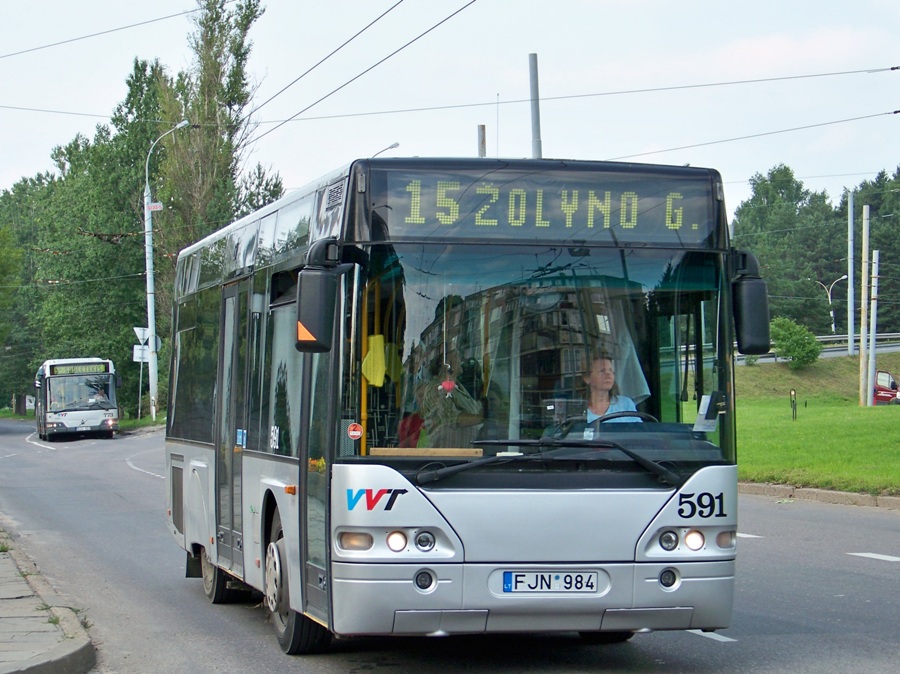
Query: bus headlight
x=668, y=540
x=694, y=540
x=355, y=540
x=425, y=541
x=396, y=541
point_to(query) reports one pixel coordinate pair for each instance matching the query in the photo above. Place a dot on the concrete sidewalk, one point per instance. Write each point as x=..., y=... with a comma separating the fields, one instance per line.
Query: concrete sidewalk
x=39, y=634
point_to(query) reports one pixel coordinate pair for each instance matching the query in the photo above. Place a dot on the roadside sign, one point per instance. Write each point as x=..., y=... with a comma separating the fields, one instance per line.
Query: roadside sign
x=155, y=206
x=141, y=353
x=143, y=335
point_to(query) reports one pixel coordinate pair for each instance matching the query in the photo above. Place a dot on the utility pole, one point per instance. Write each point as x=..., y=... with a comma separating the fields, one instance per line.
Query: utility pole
x=863, y=309
x=851, y=292
x=536, y=150
x=873, y=332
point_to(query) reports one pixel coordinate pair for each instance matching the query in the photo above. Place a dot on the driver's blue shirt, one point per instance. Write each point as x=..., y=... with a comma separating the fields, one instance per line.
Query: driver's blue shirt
x=617, y=404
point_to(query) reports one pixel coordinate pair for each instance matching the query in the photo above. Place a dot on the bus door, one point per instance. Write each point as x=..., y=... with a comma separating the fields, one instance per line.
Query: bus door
x=231, y=427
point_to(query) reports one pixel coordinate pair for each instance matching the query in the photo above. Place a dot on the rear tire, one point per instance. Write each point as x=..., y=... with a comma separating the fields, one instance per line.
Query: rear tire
x=215, y=581
x=296, y=633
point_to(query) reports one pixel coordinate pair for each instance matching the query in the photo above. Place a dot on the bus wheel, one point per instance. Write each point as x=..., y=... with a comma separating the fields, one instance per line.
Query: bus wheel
x=296, y=633
x=605, y=637
x=215, y=581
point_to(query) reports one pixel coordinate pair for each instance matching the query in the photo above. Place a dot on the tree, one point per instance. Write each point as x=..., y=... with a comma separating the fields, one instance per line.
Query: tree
x=798, y=239
x=794, y=342
x=199, y=179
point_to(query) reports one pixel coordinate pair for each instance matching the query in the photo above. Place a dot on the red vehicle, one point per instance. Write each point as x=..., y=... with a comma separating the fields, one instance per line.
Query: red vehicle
x=886, y=391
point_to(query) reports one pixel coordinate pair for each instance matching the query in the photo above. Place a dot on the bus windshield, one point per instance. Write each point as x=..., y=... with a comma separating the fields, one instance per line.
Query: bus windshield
x=81, y=392
x=470, y=352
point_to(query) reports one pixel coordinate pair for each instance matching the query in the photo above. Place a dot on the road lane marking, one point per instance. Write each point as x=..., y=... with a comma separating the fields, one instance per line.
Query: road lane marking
x=38, y=444
x=740, y=535
x=141, y=470
x=715, y=636
x=875, y=555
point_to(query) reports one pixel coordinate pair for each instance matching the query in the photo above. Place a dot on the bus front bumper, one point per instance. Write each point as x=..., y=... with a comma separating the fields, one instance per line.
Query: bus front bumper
x=465, y=600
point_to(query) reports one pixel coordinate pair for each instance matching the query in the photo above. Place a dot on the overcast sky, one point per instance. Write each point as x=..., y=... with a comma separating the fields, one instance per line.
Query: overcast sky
x=619, y=79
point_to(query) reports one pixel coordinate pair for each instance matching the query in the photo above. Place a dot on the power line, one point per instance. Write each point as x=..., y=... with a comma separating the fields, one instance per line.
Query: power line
x=755, y=135
x=102, y=32
x=372, y=23
x=369, y=69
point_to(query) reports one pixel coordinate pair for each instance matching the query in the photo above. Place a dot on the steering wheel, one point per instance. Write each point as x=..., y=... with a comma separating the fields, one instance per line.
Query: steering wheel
x=626, y=413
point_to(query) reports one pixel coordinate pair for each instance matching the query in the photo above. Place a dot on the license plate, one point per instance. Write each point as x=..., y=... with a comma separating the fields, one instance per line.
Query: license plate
x=549, y=581
x=84, y=428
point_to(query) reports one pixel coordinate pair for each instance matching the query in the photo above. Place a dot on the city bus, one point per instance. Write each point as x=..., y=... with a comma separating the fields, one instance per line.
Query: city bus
x=76, y=396
x=379, y=401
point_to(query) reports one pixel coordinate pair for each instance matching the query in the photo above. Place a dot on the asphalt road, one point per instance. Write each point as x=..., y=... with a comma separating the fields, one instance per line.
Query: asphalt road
x=818, y=586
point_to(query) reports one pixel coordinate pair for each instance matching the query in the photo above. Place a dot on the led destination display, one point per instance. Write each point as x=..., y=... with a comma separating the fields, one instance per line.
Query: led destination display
x=580, y=205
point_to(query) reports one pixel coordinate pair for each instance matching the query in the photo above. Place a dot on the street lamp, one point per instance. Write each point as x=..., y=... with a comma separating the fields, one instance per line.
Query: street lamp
x=149, y=207
x=830, y=307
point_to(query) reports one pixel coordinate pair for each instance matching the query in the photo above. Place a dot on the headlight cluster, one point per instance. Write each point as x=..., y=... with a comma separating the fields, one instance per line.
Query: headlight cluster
x=694, y=539
x=395, y=541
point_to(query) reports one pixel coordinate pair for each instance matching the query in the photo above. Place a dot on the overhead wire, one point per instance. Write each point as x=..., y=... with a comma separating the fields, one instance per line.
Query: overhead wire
x=103, y=32
x=367, y=70
x=322, y=60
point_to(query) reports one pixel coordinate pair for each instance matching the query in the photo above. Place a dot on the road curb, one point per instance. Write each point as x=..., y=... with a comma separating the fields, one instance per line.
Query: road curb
x=785, y=491
x=76, y=653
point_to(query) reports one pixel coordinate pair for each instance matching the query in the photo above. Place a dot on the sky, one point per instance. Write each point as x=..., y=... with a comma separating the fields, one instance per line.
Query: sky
x=739, y=87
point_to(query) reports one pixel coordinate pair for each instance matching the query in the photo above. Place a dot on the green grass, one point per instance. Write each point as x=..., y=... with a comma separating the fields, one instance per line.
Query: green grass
x=832, y=444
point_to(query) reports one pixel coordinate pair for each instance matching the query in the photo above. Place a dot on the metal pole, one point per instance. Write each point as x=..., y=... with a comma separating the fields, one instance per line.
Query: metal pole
x=148, y=259
x=863, y=308
x=482, y=141
x=536, y=151
x=873, y=332
x=851, y=310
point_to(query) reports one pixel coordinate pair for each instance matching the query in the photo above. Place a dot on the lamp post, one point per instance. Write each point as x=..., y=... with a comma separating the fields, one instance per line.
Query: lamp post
x=830, y=307
x=148, y=255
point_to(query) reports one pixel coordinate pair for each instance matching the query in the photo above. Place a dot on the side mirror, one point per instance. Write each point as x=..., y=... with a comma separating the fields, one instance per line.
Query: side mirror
x=317, y=292
x=751, y=307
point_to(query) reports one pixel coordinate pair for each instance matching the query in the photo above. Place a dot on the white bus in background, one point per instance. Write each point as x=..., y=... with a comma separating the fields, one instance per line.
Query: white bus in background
x=76, y=395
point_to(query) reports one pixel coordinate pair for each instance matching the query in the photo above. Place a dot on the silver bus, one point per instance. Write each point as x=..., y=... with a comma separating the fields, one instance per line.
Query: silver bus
x=386, y=401
x=76, y=396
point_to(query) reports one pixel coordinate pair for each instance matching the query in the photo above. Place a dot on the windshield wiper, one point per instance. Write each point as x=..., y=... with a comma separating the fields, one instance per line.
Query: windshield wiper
x=556, y=445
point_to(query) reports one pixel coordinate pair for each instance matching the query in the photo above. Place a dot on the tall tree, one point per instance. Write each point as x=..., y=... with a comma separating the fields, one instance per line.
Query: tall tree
x=796, y=236
x=200, y=180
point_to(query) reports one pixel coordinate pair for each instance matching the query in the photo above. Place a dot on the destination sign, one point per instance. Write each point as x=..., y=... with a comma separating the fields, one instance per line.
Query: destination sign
x=79, y=368
x=615, y=206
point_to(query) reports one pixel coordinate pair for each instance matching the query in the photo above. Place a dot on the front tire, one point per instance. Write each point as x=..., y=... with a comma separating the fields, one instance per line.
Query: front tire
x=296, y=633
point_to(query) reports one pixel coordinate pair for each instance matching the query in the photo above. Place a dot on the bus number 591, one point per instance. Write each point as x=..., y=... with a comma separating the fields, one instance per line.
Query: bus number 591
x=704, y=505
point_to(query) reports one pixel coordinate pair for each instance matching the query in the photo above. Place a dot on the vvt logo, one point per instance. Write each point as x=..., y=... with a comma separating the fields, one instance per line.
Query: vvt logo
x=373, y=497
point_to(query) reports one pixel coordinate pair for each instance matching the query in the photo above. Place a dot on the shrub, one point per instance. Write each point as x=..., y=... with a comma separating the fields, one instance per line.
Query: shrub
x=794, y=342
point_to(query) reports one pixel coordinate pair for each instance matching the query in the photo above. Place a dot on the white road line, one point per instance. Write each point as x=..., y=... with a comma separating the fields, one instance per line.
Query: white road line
x=715, y=636
x=875, y=555
x=38, y=444
x=740, y=535
x=141, y=470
